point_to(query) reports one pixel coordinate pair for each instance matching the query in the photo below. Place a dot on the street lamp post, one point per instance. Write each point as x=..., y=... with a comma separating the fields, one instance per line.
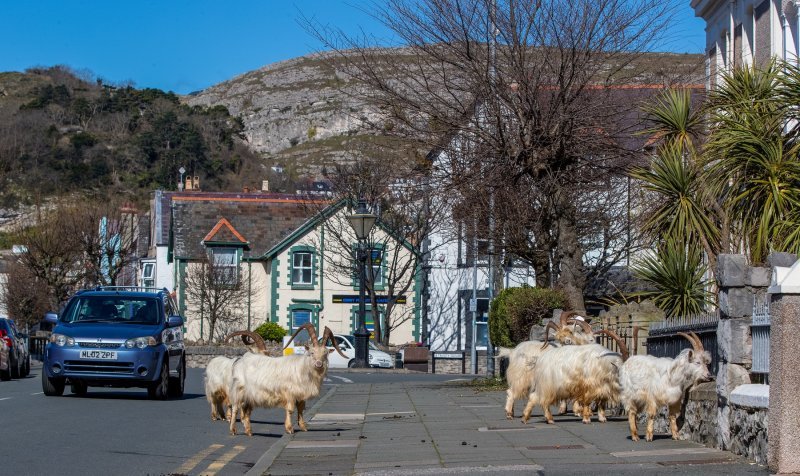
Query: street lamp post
x=362, y=222
x=180, y=184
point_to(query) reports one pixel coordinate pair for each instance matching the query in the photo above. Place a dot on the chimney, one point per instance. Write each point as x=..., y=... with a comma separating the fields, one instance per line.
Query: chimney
x=265, y=185
x=246, y=189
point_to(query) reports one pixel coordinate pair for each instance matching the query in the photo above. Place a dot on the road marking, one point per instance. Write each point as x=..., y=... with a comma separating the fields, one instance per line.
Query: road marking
x=387, y=413
x=343, y=379
x=217, y=465
x=5, y=398
x=196, y=459
x=37, y=393
x=338, y=417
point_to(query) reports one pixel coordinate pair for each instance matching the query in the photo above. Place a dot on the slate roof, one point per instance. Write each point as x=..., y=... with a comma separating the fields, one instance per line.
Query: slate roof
x=261, y=219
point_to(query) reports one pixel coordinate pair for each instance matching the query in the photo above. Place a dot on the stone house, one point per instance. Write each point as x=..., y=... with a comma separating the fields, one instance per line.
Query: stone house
x=277, y=243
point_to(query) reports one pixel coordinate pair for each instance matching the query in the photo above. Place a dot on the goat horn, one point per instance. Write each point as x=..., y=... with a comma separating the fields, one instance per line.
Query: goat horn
x=327, y=334
x=690, y=339
x=256, y=339
x=699, y=342
x=584, y=325
x=312, y=333
x=550, y=325
x=566, y=315
x=623, y=349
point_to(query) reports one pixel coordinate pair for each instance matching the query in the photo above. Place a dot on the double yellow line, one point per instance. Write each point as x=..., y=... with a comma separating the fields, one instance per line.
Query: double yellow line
x=215, y=466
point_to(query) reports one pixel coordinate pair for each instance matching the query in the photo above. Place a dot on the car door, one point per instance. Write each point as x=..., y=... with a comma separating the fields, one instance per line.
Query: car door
x=173, y=338
x=336, y=361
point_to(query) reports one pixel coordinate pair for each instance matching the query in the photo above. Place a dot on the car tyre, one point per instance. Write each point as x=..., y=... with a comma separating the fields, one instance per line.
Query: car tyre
x=176, y=384
x=27, y=369
x=160, y=389
x=16, y=368
x=352, y=363
x=5, y=374
x=52, y=387
x=78, y=388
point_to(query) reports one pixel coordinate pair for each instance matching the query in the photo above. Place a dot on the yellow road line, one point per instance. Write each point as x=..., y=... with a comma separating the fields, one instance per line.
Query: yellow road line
x=196, y=459
x=222, y=461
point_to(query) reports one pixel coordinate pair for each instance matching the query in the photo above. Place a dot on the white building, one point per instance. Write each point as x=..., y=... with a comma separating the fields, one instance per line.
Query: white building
x=747, y=32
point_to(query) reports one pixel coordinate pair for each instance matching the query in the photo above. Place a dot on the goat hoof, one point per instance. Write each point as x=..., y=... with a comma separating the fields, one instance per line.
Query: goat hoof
x=550, y=422
x=634, y=438
x=509, y=416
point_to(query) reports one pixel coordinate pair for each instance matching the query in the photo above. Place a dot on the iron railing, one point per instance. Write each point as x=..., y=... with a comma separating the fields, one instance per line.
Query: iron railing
x=664, y=340
x=760, y=332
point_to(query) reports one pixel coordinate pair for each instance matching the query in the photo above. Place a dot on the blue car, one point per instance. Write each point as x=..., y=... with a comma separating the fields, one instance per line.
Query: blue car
x=116, y=337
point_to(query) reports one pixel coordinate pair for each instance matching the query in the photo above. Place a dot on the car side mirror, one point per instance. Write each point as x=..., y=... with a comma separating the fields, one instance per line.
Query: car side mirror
x=51, y=318
x=174, y=321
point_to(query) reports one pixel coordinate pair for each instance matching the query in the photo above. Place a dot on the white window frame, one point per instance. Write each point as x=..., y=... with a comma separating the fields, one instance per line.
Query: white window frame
x=302, y=268
x=229, y=269
x=149, y=277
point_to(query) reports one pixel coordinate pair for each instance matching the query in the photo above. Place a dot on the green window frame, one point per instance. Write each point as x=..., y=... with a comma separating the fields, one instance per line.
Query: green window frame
x=378, y=260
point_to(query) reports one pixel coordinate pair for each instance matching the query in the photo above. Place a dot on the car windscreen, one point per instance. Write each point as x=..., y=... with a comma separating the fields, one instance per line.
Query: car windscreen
x=112, y=309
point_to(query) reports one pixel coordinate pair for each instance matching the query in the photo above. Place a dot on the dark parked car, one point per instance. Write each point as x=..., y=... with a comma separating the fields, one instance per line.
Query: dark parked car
x=116, y=337
x=19, y=359
x=5, y=368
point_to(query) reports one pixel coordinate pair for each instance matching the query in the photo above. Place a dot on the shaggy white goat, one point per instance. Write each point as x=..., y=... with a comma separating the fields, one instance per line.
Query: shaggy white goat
x=583, y=373
x=522, y=358
x=288, y=381
x=218, y=376
x=649, y=383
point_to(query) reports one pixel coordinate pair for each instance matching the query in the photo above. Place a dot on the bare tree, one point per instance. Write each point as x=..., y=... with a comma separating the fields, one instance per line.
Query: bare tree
x=219, y=293
x=407, y=214
x=518, y=96
x=25, y=297
x=108, y=239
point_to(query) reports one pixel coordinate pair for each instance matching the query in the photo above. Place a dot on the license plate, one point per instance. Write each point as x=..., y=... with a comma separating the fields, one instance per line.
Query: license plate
x=99, y=354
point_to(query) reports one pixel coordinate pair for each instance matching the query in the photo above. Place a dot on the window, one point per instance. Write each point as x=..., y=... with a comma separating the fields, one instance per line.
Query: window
x=376, y=260
x=302, y=268
x=482, y=325
x=300, y=317
x=148, y=275
x=225, y=267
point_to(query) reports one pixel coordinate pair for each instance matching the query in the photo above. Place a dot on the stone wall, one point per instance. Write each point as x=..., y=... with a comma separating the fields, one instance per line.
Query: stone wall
x=739, y=284
x=197, y=356
x=748, y=422
x=698, y=422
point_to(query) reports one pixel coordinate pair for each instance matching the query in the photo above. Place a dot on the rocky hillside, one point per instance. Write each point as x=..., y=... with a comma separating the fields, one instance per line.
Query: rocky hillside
x=297, y=114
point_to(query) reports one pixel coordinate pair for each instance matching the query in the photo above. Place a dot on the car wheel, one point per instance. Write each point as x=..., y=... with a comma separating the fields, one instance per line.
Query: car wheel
x=160, y=389
x=52, y=387
x=78, y=388
x=352, y=363
x=16, y=368
x=5, y=374
x=27, y=366
x=176, y=384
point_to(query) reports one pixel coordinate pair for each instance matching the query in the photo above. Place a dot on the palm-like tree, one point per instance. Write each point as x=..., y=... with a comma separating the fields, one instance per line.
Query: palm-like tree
x=681, y=206
x=751, y=161
x=674, y=120
x=678, y=276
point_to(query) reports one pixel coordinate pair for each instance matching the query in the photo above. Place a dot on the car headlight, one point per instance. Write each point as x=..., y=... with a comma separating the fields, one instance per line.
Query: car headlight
x=370, y=356
x=61, y=340
x=140, y=342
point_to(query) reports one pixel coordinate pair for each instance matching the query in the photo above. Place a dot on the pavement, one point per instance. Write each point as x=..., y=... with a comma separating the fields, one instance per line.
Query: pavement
x=454, y=428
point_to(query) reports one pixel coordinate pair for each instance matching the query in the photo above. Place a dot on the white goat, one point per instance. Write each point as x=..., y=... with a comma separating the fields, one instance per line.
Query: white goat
x=584, y=373
x=288, y=381
x=649, y=383
x=218, y=376
x=522, y=358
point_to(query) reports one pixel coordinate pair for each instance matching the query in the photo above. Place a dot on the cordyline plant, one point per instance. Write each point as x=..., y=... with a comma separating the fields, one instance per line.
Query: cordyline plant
x=678, y=276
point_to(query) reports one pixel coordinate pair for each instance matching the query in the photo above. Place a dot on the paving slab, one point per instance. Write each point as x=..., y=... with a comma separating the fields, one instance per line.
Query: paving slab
x=407, y=429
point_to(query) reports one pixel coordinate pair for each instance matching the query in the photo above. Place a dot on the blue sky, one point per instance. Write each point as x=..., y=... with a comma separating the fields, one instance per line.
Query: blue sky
x=188, y=45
